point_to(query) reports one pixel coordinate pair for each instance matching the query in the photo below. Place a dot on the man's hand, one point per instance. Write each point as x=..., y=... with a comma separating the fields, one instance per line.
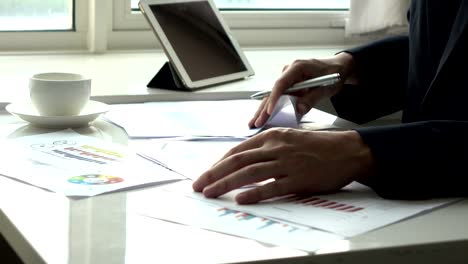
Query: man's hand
x=299, y=161
x=302, y=70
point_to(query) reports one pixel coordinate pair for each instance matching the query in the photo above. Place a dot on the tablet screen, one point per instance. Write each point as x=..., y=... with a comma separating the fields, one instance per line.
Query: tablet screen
x=204, y=49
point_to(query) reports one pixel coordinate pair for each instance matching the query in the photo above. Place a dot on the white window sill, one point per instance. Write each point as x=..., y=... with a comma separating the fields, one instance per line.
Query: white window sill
x=121, y=77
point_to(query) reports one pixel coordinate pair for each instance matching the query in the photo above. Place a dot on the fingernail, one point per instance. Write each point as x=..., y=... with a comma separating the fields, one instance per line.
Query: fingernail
x=261, y=122
x=242, y=198
x=209, y=192
x=196, y=187
x=257, y=123
x=269, y=111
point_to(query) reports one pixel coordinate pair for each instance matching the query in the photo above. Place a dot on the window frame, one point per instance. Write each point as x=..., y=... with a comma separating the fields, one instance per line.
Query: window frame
x=106, y=25
x=250, y=27
x=75, y=39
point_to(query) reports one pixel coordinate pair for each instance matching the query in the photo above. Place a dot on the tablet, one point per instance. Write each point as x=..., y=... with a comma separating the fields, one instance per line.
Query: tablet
x=197, y=41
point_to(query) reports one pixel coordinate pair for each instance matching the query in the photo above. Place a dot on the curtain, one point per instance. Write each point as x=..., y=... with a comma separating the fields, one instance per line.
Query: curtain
x=377, y=17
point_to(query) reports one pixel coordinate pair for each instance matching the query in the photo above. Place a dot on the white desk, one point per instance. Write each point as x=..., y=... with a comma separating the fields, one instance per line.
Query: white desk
x=44, y=227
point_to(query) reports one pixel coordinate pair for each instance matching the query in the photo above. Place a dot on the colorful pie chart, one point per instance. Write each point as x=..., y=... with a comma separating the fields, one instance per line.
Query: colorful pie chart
x=95, y=179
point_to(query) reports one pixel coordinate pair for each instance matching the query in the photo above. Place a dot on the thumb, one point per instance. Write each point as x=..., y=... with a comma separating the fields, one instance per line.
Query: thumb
x=309, y=100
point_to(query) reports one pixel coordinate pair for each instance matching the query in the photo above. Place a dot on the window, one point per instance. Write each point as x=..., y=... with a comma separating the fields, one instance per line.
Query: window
x=43, y=25
x=283, y=5
x=30, y=15
x=100, y=25
x=252, y=22
x=276, y=4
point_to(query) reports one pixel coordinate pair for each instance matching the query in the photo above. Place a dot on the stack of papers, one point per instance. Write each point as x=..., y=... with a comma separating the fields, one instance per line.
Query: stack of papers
x=198, y=118
x=193, y=212
x=350, y=212
x=313, y=220
x=75, y=165
x=188, y=157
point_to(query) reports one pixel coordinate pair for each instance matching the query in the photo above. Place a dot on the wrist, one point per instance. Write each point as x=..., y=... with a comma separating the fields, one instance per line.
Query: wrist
x=360, y=155
x=346, y=61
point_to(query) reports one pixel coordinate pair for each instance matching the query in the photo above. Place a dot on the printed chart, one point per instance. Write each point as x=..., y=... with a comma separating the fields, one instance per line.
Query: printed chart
x=193, y=212
x=95, y=179
x=352, y=211
x=72, y=153
x=75, y=165
x=318, y=202
x=264, y=223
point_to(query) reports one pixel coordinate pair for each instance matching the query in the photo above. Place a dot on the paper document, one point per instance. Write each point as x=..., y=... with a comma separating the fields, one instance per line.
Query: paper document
x=227, y=118
x=184, y=210
x=353, y=211
x=190, y=158
x=75, y=165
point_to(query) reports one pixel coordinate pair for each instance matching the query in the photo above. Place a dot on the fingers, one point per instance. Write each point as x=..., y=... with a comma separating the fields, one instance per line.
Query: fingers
x=262, y=119
x=296, y=72
x=249, y=144
x=260, y=116
x=309, y=100
x=231, y=163
x=253, y=173
x=276, y=188
x=283, y=83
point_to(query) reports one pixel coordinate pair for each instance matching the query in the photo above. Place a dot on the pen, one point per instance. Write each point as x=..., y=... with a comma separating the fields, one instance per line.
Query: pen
x=325, y=80
x=155, y=161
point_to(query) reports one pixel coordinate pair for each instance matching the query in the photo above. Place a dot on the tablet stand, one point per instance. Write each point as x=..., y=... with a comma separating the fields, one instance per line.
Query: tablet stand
x=167, y=78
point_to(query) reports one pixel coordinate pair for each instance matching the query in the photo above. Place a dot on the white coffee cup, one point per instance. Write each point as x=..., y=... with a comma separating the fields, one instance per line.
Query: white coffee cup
x=59, y=94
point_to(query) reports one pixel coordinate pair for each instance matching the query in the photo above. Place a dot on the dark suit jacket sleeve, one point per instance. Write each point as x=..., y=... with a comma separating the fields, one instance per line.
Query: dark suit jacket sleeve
x=414, y=160
x=382, y=70
x=419, y=160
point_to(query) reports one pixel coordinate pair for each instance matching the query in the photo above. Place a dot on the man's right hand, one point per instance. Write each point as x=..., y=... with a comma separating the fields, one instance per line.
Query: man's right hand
x=301, y=70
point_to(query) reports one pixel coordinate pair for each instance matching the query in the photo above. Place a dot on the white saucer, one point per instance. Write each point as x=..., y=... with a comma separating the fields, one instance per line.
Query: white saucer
x=28, y=112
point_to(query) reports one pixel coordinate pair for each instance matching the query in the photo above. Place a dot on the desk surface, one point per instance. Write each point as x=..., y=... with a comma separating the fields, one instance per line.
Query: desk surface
x=46, y=227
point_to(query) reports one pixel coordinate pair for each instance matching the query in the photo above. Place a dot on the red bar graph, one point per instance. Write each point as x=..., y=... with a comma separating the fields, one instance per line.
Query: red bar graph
x=319, y=203
x=323, y=203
